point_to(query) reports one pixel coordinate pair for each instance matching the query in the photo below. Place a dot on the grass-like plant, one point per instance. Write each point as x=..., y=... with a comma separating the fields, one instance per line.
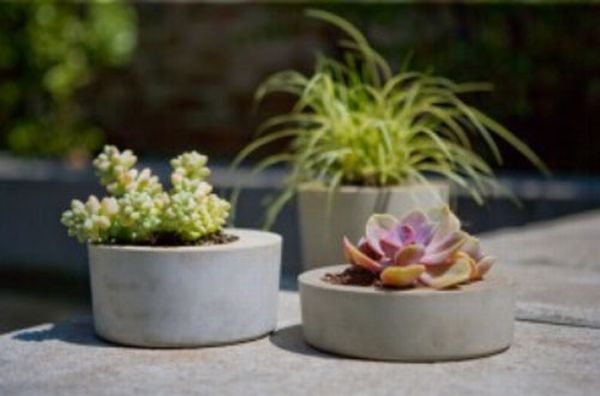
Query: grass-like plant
x=356, y=122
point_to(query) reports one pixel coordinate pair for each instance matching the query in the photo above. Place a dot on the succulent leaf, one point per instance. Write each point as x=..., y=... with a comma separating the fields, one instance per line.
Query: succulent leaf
x=450, y=275
x=448, y=223
x=378, y=226
x=440, y=251
x=421, y=228
x=401, y=276
x=365, y=247
x=484, y=265
x=410, y=254
x=356, y=257
x=390, y=245
x=472, y=247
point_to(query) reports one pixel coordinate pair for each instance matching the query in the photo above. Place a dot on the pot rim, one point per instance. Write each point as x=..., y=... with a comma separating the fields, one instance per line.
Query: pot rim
x=247, y=239
x=314, y=187
x=312, y=279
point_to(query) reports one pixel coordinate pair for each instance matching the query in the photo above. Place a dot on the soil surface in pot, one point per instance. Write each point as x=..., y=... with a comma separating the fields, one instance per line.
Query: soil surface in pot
x=357, y=276
x=353, y=275
x=173, y=240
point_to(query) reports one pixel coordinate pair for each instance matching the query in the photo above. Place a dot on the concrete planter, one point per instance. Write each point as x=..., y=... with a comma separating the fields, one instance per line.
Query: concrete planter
x=186, y=296
x=407, y=325
x=323, y=226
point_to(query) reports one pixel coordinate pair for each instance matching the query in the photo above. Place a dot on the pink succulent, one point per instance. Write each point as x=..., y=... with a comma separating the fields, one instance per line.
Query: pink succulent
x=431, y=249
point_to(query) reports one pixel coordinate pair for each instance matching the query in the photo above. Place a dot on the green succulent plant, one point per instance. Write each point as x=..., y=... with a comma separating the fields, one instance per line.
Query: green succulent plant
x=140, y=211
x=356, y=122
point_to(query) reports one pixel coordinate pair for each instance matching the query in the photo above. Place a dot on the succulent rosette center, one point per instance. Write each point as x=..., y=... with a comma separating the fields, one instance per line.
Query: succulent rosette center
x=430, y=249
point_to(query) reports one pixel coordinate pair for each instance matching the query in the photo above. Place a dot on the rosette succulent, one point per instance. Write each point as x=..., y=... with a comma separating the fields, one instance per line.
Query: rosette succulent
x=140, y=211
x=429, y=249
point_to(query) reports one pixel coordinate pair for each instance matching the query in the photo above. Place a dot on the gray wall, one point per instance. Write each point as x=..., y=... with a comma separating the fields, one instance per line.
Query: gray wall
x=33, y=194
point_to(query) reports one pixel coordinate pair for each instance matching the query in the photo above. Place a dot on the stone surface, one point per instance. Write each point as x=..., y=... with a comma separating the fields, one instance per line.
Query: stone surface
x=25, y=310
x=67, y=359
x=419, y=324
x=556, y=265
x=571, y=242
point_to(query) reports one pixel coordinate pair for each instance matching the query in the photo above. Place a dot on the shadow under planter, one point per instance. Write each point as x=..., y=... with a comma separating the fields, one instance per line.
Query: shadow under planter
x=78, y=331
x=290, y=338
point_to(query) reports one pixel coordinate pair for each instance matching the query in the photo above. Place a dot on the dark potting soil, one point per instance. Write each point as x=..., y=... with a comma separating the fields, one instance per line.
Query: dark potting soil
x=353, y=275
x=173, y=240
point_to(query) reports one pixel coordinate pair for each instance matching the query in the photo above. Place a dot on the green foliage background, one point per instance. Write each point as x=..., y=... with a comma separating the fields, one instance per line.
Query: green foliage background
x=48, y=51
x=196, y=66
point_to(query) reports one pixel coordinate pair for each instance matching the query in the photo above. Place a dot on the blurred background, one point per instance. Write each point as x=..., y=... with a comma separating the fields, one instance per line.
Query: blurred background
x=163, y=77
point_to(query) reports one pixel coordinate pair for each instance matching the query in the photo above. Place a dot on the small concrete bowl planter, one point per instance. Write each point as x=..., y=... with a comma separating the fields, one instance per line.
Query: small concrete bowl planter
x=418, y=325
x=416, y=289
x=188, y=296
x=164, y=272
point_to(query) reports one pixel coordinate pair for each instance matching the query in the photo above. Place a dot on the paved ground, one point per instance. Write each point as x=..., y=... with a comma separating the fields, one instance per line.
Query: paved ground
x=556, y=348
x=557, y=267
x=19, y=310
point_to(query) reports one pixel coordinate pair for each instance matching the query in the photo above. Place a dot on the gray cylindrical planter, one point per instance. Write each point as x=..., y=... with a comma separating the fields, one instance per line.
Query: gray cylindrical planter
x=407, y=325
x=186, y=296
x=323, y=225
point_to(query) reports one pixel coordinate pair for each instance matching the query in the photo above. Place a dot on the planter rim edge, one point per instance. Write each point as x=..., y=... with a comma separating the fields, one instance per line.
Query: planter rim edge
x=247, y=238
x=312, y=279
x=310, y=187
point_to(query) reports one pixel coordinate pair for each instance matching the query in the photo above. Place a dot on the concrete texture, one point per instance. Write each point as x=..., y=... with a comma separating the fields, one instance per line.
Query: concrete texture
x=187, y=296
x=419, y=324
x=556, y=265
x=67, y=359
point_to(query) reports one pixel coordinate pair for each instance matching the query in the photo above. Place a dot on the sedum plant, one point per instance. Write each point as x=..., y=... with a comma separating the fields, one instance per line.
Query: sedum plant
x=431, y=250
x=139, y=211
x=356, y=122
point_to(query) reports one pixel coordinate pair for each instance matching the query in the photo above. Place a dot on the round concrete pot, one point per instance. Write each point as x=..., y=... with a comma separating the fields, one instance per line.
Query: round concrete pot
x=407, y=325
x=186, y=296
x=324, y=223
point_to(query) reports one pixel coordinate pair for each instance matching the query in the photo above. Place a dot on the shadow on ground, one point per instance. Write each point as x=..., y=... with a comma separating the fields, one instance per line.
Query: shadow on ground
x=290, y=338
x=79, y=332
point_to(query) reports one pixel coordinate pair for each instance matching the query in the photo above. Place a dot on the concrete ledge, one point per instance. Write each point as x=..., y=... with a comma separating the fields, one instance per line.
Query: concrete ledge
x=67, y=359
x=34, y=193
x=556, y=266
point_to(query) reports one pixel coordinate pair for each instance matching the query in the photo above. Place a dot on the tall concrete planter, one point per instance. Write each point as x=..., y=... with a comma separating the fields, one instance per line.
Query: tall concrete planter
x=324, y=222
x=419, y=324
x=186, y=296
